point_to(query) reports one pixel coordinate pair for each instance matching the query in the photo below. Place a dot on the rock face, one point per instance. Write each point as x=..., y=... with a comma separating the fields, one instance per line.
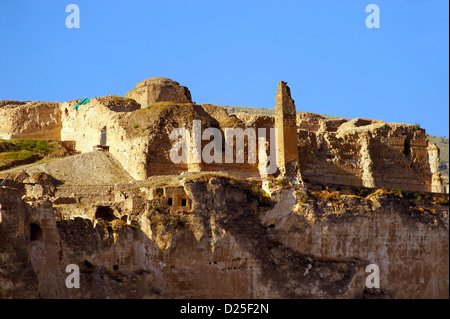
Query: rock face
x=370, y=153
x=159, y=89
x=132, y=241
x=32, y=119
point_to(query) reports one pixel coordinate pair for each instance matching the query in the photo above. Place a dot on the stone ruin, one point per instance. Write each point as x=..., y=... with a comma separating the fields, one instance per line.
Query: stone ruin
x=159, y=89
x=358, y=152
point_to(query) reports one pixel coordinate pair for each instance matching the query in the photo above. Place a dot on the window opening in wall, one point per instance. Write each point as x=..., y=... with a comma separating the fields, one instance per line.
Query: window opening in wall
x=170, y=202
x=183, y=202
x=407, y=147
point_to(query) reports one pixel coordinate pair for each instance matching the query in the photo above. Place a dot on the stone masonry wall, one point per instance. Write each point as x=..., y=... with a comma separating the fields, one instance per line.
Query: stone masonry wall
x=359, y=152
x=371, y=154
x=32, y=119
x=83, y=127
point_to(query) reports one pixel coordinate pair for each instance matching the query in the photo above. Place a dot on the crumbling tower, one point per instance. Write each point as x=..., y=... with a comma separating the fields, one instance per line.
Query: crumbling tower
x=286, y=126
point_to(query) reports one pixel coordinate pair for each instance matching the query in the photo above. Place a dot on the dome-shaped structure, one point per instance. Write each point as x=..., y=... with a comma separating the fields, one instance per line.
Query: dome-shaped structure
x=159, y=89
x=157, y=80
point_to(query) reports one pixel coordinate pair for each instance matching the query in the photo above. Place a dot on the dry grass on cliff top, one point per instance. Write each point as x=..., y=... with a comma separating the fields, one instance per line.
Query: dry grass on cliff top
x=176, y=180
x=162, y=115
x=25, y=151
x=336, y=194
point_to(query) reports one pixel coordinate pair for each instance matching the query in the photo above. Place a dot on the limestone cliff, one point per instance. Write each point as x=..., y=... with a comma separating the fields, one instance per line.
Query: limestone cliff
x=212, y=236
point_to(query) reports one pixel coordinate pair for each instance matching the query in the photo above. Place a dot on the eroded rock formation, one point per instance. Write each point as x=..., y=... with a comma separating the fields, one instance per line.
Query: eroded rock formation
x=226, y=240
x=31, y=119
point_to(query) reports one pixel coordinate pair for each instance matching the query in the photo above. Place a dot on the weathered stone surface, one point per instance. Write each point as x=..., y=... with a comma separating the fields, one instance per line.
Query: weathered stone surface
x=238, y=248
x=392, y=233
x=358, y=152
x=159, y=89
x=370, y=153
x=31, y=119
x=286, y=125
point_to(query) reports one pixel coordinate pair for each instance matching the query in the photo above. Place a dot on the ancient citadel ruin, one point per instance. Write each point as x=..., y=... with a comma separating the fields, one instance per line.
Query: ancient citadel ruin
x=358, y=152
x=140, y=226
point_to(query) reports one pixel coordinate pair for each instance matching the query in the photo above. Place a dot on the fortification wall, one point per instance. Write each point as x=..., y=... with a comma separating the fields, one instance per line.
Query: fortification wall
x=32, y=119
x=83, y=126
x=371, y=154
x=359, y=152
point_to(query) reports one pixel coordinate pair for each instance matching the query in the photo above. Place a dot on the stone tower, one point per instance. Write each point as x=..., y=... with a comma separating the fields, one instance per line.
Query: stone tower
x=286, y=125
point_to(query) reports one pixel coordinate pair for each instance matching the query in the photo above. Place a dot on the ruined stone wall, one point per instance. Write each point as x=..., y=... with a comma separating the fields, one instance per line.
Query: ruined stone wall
x=372, y=154
x=316, y=123
x=159, y=89
x=359, y=152
x=83, y=126
x=32, y=119
x=286, y=125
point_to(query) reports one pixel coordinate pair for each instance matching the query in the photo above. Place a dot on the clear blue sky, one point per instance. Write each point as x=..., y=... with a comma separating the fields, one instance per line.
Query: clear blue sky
x=234, y=53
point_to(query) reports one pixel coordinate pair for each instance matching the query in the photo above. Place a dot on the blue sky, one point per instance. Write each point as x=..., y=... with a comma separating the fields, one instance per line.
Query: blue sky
x=235, y=52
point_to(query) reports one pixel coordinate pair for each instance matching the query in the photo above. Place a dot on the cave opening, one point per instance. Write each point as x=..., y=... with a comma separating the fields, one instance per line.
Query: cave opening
x=35, y=232
x=106, y=213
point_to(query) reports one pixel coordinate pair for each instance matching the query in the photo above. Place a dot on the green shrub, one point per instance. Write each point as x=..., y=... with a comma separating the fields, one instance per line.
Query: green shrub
x=256, y=191
x=397, y=192
x=417, y=126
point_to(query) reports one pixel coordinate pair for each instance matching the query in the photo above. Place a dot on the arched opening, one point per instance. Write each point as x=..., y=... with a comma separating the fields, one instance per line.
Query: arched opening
x=35, y=232
x=106, y=213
